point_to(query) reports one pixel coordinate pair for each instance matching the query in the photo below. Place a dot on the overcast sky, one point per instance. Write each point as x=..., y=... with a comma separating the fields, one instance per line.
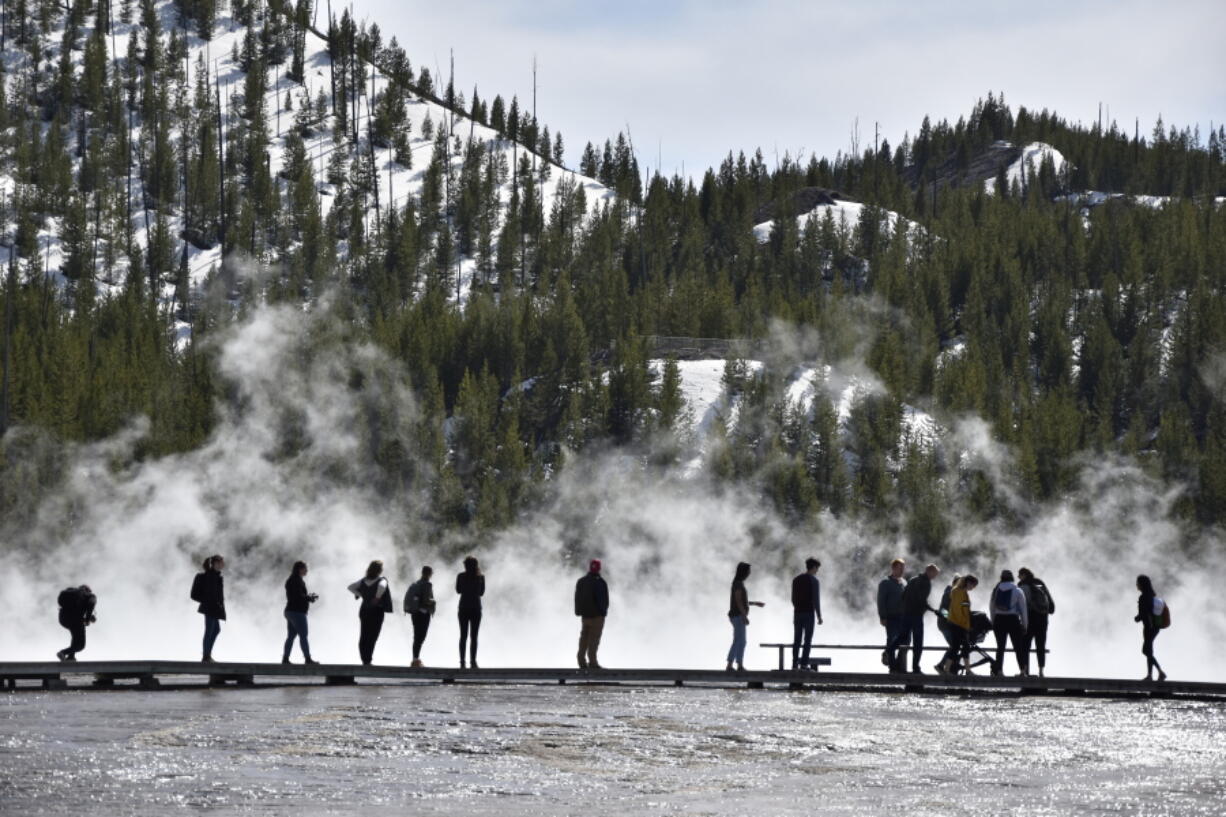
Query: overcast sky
x=694, y=79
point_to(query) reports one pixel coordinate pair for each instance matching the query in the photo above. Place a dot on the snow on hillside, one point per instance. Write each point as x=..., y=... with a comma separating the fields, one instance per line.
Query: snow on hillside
x=397, y=184
x=1032, y=158
x=846, y=215
x=708, y=400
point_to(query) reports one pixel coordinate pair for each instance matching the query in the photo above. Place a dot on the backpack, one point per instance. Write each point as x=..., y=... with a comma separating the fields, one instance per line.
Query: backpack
x=70, y=599
x=198, y=588
x=1002, y=599
x=1037, y=601
x=1163, y=619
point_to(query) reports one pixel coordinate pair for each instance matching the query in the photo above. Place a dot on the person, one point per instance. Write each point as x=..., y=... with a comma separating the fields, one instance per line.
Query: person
x=806, y=608
x=592, y=607
x=959, y=653
x=419, y=606
x=889, y=610
x=297, y=602
x=947, y=630
x=471, y=586
x=76, y=613
x=1010, y=620
x=914, y=608
x=1149, y=613
x=738, y=614
x=209, y=589
x=1039, y=605
x=376, y=598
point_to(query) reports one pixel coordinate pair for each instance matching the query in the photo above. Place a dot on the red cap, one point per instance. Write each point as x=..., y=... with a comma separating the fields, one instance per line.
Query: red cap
x=594, y=566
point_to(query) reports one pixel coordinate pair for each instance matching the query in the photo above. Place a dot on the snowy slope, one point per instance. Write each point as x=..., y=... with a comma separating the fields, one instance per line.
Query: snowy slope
x=1032, y=158
x=396, y=183
x=846, y=215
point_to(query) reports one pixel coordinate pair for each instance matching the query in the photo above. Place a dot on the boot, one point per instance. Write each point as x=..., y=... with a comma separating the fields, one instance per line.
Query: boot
x=416, y=663
x=310, y=661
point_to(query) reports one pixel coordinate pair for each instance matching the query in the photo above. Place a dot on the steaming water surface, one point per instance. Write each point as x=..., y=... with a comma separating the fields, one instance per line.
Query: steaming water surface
x=513, y=750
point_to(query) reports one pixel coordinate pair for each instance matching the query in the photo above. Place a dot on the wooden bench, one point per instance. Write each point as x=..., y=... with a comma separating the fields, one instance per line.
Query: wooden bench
x=814, y=661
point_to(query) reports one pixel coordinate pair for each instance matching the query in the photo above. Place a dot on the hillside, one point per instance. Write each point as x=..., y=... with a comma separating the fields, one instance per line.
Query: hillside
x=235, y=248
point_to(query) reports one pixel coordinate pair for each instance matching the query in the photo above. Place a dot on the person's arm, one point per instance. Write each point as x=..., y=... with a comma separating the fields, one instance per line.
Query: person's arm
x=353, y=588
x=1051, y=603
x=742, y=600
x=380, y=588
x=817, y=599
x=602, y=598
x=881, y=601
x=1019, y=599
x=481, y=585
x=459, y=581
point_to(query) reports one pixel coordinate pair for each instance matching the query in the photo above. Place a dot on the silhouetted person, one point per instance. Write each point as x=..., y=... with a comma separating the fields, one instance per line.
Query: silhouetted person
x=889, y=610
x=592, y=606
x=209, y=589
x=297, y=602
x=1149, y=613
x=419, y=606
x=806, y=609
x=471, y=586
x=958, y=655
x=914, y=607
x=1039, y=605
x=376, y=598
x=1010, y=619
x=76, y=613
x=738, y=616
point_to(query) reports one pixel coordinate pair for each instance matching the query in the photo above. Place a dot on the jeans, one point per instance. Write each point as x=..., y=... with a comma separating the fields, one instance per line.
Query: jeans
x=1149, y=633
x=589, y=641
x=736, y=653
x=470, y=623
x=803, y=623
x=913, y=630
x=1010, y=626
x=954, y=636
x=895, y=638
x=1037, y=635
x=421, y=626
x=212, y=628
x=296, y=627
x=372, y=625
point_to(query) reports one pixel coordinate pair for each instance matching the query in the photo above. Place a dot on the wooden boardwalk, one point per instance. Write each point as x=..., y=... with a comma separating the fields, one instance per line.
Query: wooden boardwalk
x=52, y=675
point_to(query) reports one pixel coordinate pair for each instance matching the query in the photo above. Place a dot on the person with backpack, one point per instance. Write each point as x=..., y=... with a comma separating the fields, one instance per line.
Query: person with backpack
x=806, y=611
x=914, y=608
x=209, y=590
x=471, y=586
x=1154, y=616
x=1039, y=606
x=1010, y=620
x=76, y=613
x=592, y=608
x=376, y=598
x=889, y=611
x=297, y=602
x=419, y=606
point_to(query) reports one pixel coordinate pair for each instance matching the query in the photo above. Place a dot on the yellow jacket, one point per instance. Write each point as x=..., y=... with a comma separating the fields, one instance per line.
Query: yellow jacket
x=960, y=608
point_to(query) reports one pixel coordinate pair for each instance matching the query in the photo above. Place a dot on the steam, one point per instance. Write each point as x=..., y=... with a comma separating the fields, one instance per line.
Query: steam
x=289, y=473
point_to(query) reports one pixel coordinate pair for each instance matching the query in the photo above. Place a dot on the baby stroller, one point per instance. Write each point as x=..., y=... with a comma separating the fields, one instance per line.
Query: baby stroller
x=981, y=625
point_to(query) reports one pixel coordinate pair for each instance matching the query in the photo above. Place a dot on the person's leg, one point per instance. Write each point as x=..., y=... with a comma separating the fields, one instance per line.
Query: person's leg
x=585, y=632
x=78, y=639
x=300, y=624
x=472, y=644
x=212, y=628
x=419, y=633
x=896, y=631
x=738, y=640
x=964, y=636
x=364, y=651
x=1016, y=635
x=291, y=632
x=464, y=618
x=808, y=622
x=593, y=642
x=916, y=634
x=798, y=630
x=1038, y=627
x=1000, y=627
x=732, y=646
x=376, y=627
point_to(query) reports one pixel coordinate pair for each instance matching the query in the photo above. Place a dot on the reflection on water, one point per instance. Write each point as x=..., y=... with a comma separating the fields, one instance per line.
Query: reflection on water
x=513, y=750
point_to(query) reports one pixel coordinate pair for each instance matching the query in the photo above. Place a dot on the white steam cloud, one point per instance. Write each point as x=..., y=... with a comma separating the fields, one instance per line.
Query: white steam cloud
x=288, y=474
